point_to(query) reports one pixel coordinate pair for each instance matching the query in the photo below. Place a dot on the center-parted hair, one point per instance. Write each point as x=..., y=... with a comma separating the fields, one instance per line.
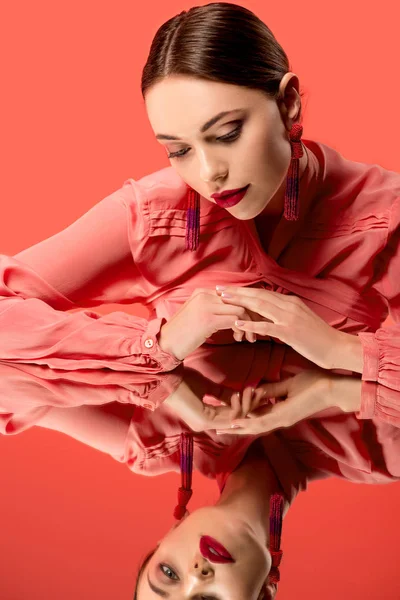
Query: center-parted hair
x=221, y=42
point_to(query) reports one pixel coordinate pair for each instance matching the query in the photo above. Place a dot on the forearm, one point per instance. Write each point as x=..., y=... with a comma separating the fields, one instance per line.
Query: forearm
x=349, y=354
x=347, y=391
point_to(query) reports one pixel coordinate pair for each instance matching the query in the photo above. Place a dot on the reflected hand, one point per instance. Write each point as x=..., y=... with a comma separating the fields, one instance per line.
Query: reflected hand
x=187, y=403
x=303, y=396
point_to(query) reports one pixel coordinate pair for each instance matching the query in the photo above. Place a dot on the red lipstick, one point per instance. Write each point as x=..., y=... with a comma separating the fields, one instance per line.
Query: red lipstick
x=214, y=551
x=229, y=198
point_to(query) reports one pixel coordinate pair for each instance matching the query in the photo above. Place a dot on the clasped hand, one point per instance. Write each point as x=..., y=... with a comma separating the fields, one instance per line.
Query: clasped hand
x=309, y=394
x=288, y=319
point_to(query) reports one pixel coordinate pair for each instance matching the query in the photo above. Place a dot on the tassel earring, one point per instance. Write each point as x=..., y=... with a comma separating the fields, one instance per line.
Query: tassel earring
x=291, y=207
x=193, y=220
x=275, y=531
x=186, y=463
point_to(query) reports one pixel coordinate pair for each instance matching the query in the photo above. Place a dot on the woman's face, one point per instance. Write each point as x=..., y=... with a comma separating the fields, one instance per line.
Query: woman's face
x=247, y=145
x=179, y=571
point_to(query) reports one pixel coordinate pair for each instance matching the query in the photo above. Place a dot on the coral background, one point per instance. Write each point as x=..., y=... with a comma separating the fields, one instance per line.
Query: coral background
x=75, y=522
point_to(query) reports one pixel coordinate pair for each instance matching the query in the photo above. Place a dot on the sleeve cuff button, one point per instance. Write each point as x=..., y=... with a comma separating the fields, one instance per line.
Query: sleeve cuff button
x=149, y=343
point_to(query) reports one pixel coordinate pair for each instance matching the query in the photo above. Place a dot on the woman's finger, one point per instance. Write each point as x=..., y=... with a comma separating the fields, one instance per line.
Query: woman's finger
x=275, y=389
x=260, y=306
x=276, y=298
x=264, y=328
x=247, y=398
x=236, y=406
x=238, y=335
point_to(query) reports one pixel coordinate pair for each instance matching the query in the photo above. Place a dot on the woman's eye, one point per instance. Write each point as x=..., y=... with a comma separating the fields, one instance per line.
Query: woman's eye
x=232, y=135
x=177, y=154
x=227, y=138
x=168, y=572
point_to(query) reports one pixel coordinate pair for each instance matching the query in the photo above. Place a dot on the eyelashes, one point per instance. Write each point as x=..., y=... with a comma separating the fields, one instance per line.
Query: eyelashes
x=165, y=569
x=230, y=137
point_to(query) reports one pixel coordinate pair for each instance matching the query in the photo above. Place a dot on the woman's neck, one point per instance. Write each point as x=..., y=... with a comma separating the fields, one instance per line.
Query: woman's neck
x=247, y=494
x=275, y=206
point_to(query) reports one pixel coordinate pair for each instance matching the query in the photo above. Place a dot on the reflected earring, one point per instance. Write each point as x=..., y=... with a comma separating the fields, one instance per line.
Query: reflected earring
x=192, y=220
x=186, y=467
x=291, y=207
x=275, y=531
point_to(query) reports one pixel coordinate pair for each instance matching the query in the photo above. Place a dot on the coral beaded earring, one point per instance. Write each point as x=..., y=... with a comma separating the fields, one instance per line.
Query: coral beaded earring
x=192, y=220
x=291, y=206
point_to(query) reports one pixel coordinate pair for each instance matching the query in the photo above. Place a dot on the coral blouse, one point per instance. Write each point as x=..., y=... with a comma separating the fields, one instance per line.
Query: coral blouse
x=342, y=257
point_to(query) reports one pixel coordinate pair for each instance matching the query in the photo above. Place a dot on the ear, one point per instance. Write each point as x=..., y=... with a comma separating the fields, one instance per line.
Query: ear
x=289, y=99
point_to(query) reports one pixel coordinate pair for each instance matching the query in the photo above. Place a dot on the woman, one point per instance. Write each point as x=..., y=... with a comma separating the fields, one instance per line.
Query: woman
x=339, y=256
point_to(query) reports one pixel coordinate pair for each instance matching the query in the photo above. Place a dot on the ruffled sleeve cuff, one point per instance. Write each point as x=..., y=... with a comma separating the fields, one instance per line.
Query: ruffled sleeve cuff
x=159, y=389
x=370, y=356
x=368, y=400
x=380, y=389
x=379, y=402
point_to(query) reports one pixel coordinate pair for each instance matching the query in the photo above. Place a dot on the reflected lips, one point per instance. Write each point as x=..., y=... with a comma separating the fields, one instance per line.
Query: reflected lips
x=214, y=551
x=229, y=200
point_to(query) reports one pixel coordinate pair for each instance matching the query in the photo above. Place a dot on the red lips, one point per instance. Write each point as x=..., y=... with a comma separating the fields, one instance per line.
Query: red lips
x=214, y=551
x=226, y=193
x=230, y=200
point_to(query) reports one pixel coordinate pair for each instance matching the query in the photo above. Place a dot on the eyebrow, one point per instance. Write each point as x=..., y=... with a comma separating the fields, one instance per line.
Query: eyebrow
x=207, y=125
x=164, y=594
x=157, y=590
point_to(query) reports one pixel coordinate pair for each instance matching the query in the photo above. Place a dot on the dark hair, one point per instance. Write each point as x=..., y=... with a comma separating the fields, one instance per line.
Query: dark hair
x=221, y=42
x=140, y=571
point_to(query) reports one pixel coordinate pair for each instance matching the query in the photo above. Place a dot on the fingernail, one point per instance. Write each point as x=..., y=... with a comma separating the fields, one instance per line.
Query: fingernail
x=235, y=426
x=225, y=295
x=220, y=287
x=238, y=323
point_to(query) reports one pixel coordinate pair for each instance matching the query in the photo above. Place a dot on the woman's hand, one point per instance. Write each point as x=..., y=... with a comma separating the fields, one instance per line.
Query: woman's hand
x=187, y=403
x=303, y=396
x=202, y=315
x=290, y=320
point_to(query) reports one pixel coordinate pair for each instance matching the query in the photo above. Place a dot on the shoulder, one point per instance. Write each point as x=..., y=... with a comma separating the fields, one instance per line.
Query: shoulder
x=353, y=190
x=159, y=190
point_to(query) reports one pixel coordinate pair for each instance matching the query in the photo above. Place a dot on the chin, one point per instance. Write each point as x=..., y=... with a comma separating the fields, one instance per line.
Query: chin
x=245, y=213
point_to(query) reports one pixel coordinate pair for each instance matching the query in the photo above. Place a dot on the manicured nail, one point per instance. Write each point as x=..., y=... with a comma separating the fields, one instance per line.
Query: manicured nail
x=220, y=287
x=239, y=323
x=225, y=295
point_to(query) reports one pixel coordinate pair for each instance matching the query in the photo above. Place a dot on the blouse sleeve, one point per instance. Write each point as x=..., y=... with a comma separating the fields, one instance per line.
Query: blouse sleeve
x=36, y=395
x=380, y=390
x=87, y=264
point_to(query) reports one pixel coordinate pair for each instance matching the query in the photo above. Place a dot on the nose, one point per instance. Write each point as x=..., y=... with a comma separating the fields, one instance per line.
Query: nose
x=202, y=568
x=211, y=168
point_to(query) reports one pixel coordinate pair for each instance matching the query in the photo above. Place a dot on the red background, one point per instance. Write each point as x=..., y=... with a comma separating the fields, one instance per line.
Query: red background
x=73, y=521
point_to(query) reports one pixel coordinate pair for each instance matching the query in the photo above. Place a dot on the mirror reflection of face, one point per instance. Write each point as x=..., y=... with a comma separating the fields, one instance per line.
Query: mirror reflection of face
x=247, y=145
x=178, y=570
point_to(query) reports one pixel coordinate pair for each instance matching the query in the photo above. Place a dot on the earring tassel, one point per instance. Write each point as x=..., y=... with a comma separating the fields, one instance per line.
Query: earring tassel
x=186, y=462
x=193, y=221
x=291, y=209
x=275, y=528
